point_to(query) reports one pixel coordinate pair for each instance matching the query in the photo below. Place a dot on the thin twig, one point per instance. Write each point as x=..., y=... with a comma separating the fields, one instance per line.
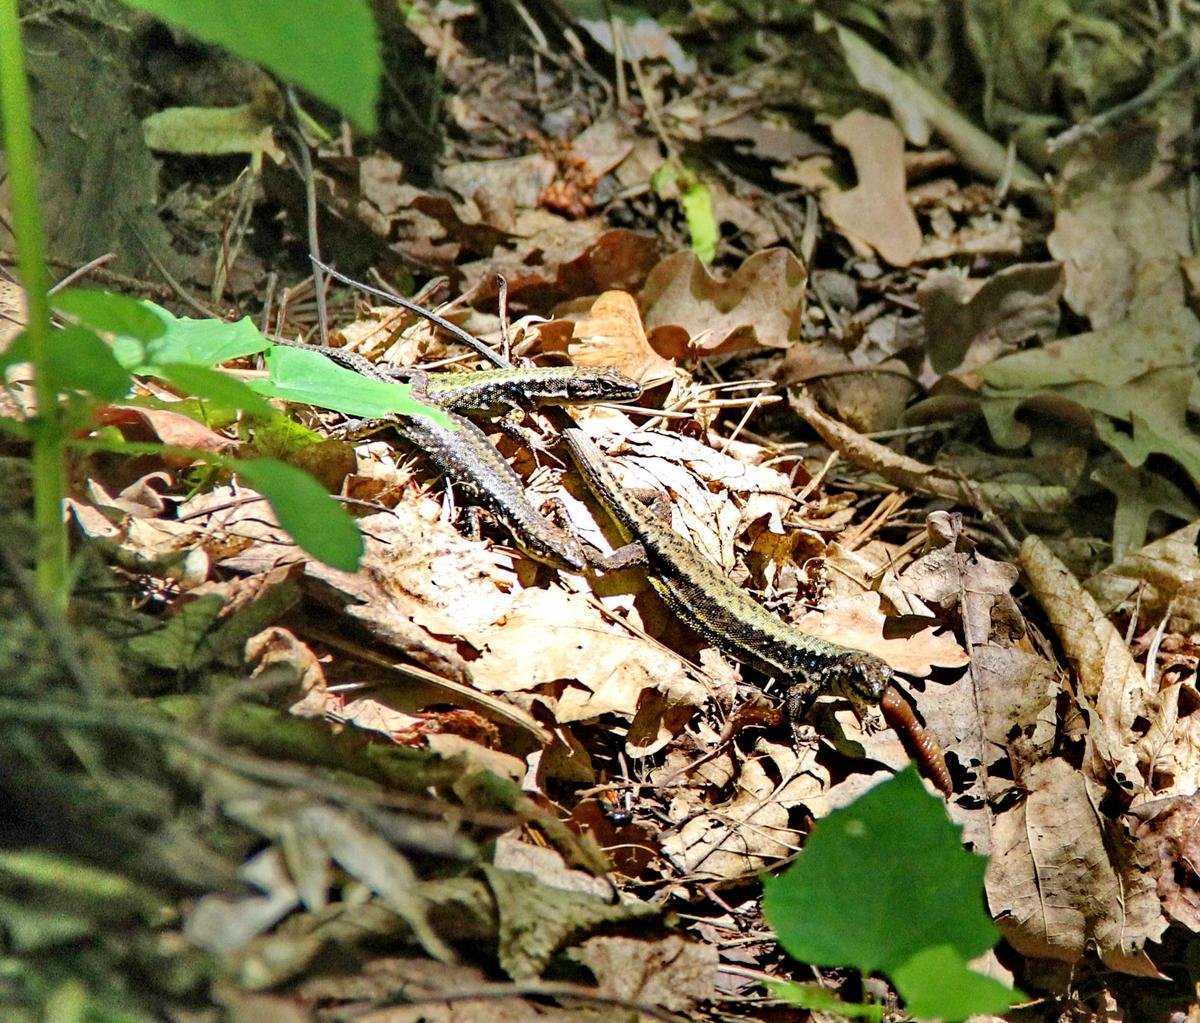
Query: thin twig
x=495, y=358
x=83, y=271
x=1122, y=111
x=180, y=292
x=305, y=169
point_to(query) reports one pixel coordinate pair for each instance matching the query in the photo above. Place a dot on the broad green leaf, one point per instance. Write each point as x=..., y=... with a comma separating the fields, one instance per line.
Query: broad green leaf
x=116, y=314
x=217, y=387
x=821, y=999
x=313, y=519
x=328, y=47
x=936, y=983
x=696, y=201
x=312, y=379
x=196, y=342
x=77, y=359
x=880, y=882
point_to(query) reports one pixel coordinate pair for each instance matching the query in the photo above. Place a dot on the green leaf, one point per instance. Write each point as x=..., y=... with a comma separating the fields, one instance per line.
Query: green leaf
x=879, y=883
x=936, y=983
x=212, y=131
x=77, y=359
x=116, y=314
x=312, y=518
x=216, y=387
x=180, y=643
x=312, y=379
x=329, y=47
x=696, y=201
x=821, y=999
x=197, y=342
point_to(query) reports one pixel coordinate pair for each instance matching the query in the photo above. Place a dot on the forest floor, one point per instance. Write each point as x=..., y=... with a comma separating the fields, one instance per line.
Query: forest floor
x=926, y=395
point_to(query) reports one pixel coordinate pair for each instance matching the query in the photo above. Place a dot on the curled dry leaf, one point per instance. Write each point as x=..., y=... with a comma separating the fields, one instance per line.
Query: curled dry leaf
x=689, y=313
x=1128, y=730
x=560, y=259
x=166, y=426
x=970, y=323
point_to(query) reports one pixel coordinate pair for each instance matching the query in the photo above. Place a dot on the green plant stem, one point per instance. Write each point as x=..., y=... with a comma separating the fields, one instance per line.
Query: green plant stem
x=49, y=469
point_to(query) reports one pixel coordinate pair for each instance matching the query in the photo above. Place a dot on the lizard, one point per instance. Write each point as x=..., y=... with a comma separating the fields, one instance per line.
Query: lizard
x=718, y=610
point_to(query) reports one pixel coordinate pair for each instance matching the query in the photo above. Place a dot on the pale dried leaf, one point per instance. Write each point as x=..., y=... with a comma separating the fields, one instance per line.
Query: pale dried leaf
x=1162, y=577
x=223, y=924
x=12, y=312
x=974, y=586
x=609, y=670
x=1053, y=885
x=858, y=622
x=671, y=972
x=475, y=755
x=876, y=212
x=372, y=860
x=548, y=866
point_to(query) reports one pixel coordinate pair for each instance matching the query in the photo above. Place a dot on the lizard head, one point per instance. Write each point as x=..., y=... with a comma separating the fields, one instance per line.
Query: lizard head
x=601, y=384
x=862, y=678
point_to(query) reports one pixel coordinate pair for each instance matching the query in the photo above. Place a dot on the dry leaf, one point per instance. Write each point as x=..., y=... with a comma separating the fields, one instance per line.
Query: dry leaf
x=761, y=304
x=969, y=323
x=672, y=972
x=753, y=829
x=1053, y=884
x=875, y=215
x=1168, y=848
x=1122, y=221
x=858, y=622
x=607, y=670
x=1108, y=675
x=12, y=312
x=611, y=334
x=966, y=582
x=1162, y=577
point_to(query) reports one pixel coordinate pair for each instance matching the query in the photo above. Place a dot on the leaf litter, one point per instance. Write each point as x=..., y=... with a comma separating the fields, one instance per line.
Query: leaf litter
x=467, y=683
